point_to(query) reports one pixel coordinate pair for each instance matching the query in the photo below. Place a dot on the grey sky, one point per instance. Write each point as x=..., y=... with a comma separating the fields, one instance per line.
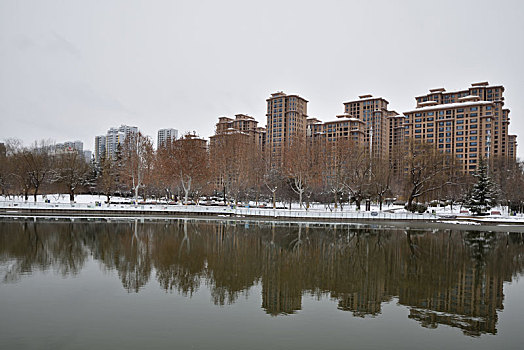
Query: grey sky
x=72, y=69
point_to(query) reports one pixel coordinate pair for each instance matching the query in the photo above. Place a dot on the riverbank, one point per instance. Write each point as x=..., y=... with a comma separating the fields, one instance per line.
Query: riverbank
x=126, y=210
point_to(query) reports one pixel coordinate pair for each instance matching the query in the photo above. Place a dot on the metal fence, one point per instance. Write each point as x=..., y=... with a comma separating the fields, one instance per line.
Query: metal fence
x=228, y=211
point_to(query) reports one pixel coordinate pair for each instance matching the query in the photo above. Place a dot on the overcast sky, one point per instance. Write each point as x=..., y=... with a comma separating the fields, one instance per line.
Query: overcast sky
x=71, y=69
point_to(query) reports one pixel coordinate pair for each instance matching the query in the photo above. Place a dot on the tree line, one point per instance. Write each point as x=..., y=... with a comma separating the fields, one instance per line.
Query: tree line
x=236, y=170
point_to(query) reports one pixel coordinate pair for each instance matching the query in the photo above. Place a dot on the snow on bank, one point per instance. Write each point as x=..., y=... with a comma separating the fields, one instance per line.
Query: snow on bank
x=317, y=211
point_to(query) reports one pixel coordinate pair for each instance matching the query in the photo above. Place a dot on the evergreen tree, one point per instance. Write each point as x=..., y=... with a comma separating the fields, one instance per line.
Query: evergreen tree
x=481, y=197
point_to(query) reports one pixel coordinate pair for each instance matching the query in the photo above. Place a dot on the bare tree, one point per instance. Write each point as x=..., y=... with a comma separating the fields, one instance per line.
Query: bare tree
x=427, y=169
x=191, y=163
x=297, y=168
x=32, y=167
x=136, y=157
x=273, y=180
x=358, y=178
x=71, y=170
x=381, y=175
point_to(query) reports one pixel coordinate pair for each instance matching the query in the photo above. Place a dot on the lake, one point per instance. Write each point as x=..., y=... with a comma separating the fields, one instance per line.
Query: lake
x=183, y=284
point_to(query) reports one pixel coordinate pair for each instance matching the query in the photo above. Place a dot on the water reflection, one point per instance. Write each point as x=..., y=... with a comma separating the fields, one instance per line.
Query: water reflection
x=444, y=277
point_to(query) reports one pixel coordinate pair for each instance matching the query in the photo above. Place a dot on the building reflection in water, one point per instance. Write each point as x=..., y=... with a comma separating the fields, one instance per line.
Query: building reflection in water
x=444, y=277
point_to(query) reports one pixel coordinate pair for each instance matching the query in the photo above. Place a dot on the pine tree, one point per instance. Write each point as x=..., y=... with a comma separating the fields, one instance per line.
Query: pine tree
x=481, y=197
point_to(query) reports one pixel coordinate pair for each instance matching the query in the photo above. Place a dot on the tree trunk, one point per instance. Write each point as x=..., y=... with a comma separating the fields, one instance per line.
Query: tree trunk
x=410, y=202
x=71, y=196
x=36, y=193
x=274, y=199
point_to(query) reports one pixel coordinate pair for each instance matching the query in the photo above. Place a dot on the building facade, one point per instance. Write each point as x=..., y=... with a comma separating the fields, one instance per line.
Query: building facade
x=107, y=145
x=244, y=124
x=468, y=124
x=374, y=113
x=100, y=148
x=165, y=135
x=344, y=127
x=286, y=124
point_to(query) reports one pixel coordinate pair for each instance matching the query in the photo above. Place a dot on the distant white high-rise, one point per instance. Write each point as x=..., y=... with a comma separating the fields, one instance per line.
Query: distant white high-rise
x=100, y=148
x=106, y=146
x=87, y=156
x=165, y=135
x=68, y=147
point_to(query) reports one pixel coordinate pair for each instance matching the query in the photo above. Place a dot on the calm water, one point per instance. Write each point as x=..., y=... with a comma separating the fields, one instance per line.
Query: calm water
x=219, y=285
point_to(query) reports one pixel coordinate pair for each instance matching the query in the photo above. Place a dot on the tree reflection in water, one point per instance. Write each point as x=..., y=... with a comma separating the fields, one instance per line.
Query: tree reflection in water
x=442, y=276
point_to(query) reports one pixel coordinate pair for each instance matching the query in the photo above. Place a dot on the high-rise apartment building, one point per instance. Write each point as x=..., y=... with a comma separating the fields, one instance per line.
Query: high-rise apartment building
x=373, y=112
x=468, y=124
x=286, y=124
x=68, y=147
x=106, y=146
x=343, y=127
x=88, y=155
x=512, y=147
x=244, y=124
x=100, y=148
x=165, y=135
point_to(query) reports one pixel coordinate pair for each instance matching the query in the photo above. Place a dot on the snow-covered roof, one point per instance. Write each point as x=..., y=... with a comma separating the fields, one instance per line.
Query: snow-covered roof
x=428, y=103
x=469, y=97
x=450, y=105
x=367, y=99
x=341, y=120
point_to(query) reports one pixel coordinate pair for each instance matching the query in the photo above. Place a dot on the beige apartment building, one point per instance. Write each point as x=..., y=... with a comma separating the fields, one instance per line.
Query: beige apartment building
x=286, y=124
x=512, y=147
x=468, y=124
x=244, y=124
x=374, y=114
x=343, y=127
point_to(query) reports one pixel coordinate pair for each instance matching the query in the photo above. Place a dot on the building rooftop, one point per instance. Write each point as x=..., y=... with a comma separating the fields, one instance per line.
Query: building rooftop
x=366, y=98
x=450, y=105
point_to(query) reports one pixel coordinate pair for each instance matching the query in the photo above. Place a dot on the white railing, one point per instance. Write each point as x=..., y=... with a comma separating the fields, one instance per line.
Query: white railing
x=221, y=210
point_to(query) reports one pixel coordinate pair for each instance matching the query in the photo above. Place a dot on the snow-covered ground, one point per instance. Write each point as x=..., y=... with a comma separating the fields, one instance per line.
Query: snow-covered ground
x=391, y=212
